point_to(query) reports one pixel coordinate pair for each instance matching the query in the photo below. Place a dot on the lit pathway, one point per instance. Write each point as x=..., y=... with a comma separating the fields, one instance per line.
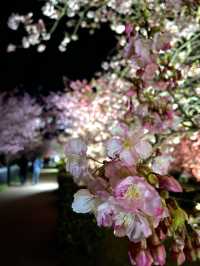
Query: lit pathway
x=28, y=217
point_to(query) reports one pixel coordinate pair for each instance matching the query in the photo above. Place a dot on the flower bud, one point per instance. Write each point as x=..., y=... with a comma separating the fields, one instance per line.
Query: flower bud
x=170, y=183
x=159, y=255
x=179, y=257
x=128, y=30
x=144, y=258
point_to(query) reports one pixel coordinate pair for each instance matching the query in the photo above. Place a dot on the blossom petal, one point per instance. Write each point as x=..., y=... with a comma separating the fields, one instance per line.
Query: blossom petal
x=114, y=147
x=128, y=157
x=116, y=171
x=138, y=229
x=144, y=149
x=161, y=164
x=120, y=129
x=105, y=213
x=77, y=167
x=84, y=201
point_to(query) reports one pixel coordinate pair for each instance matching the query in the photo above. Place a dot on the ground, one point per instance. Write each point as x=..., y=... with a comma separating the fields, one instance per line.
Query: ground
x=28, y=225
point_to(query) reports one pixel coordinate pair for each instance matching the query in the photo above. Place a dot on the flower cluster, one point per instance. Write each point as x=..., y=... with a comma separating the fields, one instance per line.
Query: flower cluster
x=89, y=110
x=127, y=196
x=187, y=156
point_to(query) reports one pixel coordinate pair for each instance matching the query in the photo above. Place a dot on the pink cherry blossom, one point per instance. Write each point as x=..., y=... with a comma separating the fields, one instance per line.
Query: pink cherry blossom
x=161, y=164
x=105, y=214
x=77, y=164
x=78, y=168
x=139, y=229
x=129, y=145
x=187, y=156
x=135, y=226
x=142, y=50
x=149, y=72
x=135, y=194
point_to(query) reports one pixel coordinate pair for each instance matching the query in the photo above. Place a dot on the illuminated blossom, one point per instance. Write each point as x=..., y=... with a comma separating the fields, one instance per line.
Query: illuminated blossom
x=134, y=193
x=161, y=164
x=129, y=145
x=88, y=114
x=75, y=150
x=187, y=156
x=84, y=201
x=135, y=226
x=105, y=214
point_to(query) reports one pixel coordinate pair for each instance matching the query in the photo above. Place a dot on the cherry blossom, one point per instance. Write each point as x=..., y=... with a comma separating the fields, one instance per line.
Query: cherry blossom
x=133, y=193
x=129, y=145
x=187, y=156
x=84, y=201
x=75, y=151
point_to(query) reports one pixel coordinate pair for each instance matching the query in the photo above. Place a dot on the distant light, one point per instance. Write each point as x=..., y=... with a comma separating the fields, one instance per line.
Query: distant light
x=197, y=207
x=11, y=48
x=41, y=48
x=56, y=158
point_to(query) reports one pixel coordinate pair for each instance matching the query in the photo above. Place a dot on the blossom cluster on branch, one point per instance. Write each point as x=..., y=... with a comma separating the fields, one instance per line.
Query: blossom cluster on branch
x=91, y=15
x=132, y=192
x=127, y=195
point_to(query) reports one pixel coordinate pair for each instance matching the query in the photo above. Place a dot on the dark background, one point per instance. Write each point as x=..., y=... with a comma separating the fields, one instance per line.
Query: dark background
x=35, y=72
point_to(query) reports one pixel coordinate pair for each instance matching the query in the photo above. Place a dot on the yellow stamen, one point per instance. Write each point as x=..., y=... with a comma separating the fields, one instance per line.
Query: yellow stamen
x=133, y=192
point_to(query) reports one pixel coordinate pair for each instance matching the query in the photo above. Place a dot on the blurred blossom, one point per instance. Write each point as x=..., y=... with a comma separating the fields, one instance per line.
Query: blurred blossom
x=11, y=48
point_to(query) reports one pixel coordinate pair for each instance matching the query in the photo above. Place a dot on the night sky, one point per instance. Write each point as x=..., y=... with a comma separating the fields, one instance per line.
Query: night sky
x=43, y=72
